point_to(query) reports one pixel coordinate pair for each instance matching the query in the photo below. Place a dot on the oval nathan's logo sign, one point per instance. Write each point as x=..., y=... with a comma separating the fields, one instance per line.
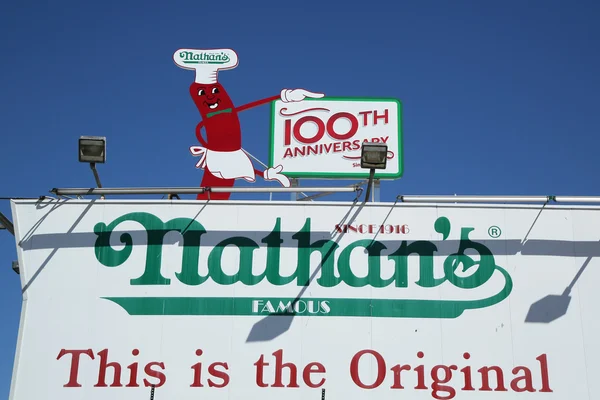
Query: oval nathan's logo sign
x=334, y=271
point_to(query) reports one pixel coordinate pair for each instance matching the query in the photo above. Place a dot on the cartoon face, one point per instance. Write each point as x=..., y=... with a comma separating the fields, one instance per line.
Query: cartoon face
x=210, y=98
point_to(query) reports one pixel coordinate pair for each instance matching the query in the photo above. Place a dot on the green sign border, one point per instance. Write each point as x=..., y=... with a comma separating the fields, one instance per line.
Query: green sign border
x=327, y=175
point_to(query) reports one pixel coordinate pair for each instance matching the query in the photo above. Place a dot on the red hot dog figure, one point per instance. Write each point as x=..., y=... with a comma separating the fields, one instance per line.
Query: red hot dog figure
x=221, y=154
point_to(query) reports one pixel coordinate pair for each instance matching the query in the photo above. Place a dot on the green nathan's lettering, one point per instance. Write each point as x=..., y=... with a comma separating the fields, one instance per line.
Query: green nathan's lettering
x=192, y=231
x=335, y=266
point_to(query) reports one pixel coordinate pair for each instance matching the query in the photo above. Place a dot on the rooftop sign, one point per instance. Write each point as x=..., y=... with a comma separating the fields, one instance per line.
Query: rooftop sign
x=322, y=138
x=237, y=300
x=311, y=136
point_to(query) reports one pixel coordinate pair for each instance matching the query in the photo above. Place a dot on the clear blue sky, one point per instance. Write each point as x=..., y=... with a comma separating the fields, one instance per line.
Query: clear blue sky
x=498, y=97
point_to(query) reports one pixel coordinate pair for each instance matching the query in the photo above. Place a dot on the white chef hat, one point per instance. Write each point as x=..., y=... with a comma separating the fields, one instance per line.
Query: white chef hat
x=206, y=63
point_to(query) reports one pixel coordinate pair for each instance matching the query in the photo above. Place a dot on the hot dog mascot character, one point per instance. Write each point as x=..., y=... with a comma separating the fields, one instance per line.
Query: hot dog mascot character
x=221, y=154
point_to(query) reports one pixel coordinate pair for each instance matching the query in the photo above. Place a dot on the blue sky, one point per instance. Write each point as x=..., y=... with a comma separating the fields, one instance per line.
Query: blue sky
x=498, y=97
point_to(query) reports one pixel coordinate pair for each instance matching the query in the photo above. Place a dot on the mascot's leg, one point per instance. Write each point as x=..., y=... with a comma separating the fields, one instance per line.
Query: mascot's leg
x=209, y=180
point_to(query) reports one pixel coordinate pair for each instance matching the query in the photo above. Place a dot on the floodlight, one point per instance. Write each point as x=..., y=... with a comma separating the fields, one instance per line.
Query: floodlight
x=92, y=149
x=15, y=267
x=373, y=156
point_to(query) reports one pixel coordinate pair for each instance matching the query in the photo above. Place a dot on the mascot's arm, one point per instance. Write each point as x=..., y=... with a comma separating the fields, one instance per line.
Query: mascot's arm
x=199, y=134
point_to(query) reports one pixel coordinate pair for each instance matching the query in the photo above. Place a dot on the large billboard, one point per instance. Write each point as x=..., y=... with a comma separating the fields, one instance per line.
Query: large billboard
x=270, y=300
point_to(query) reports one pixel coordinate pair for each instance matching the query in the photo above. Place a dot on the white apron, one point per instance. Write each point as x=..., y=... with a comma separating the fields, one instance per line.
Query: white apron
x=225, y=164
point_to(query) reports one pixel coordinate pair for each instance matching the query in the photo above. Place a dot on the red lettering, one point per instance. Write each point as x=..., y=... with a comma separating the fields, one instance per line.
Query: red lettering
x=385, y=139
x=344, y=136
x=336, y=147
x=74, y=371
x=104, y=364
x=260, y=365
x=543, y=359
x=212, y=369
x=346, y=146
x=287, y=133
x=514, y=384
x=155, y=374
x=380, y=369
x=467, y=372
x=133, y=370
x=420, y=373
x=197, y=372
x=303, y=120
x=288, y=153
x=438, y=382
x=308, y=370
x=384, y=117
x=485, y=385
x=365, y=115
x=279, y=365
x=397, y=380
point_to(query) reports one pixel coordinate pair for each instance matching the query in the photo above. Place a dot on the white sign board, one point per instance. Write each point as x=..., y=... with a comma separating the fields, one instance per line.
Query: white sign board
x=323, y=138
x=270, y=300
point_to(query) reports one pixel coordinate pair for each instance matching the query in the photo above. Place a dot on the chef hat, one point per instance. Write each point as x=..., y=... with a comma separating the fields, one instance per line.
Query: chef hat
x=207, y=63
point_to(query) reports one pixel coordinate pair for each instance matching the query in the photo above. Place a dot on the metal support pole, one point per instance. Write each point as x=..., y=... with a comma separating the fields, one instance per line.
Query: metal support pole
x=577, y=199
x=196, y=190
x=96, y=176
x=6, y=224
x=369, y=184
x=294, y=183
x=474, y=199
x=376, y=191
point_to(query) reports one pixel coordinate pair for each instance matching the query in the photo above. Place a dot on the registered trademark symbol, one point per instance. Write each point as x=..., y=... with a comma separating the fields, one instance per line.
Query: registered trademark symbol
x=494, y=231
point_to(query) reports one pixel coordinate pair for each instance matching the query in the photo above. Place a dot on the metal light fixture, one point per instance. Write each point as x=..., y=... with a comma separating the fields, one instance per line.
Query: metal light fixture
x=92, y=149
x=373, y=156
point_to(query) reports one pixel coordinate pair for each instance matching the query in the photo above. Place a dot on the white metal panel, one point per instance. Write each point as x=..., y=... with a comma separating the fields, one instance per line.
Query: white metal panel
x=420, y=330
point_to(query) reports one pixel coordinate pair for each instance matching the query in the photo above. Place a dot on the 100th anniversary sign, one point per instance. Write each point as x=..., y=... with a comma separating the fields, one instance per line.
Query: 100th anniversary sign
x=322, y=138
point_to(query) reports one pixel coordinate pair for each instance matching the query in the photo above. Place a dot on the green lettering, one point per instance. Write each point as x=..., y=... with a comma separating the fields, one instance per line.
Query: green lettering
x=244, y=273
x=487, y=263
x=327, y=249
x=373, y=277
x=156, y=230
x=273, y=241
x=186, y=54
x=425, y=251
